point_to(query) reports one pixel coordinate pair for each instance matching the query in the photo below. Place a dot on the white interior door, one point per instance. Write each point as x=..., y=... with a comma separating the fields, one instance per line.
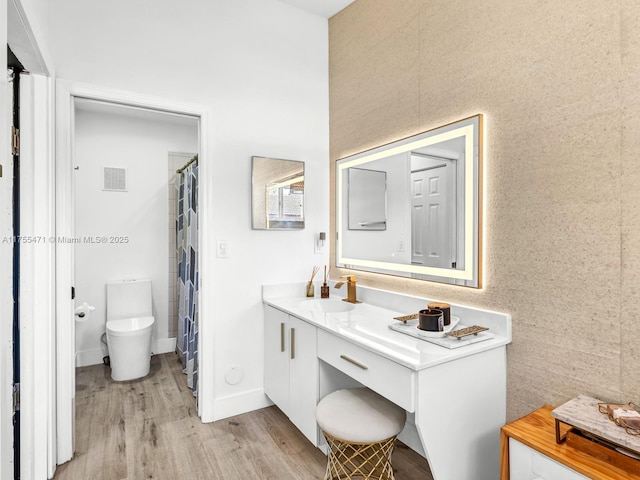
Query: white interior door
x=65, y=280
x=37, y=266
x=433, y=216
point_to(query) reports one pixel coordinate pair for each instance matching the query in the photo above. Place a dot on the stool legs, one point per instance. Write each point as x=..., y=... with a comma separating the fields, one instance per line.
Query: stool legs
x=368, y=461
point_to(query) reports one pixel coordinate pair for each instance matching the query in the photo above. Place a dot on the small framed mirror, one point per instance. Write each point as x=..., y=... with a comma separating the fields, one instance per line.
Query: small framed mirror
x=367, y=204
x=277, y=191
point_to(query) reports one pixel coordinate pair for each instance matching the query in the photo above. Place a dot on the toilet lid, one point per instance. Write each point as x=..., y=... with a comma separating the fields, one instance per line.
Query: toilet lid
x=125, y=325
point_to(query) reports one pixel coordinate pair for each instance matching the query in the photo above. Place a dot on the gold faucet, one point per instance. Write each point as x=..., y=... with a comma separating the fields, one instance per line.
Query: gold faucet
x=351, y=289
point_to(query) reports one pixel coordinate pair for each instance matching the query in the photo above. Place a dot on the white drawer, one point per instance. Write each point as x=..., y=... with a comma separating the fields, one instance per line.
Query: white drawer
x=528, y=464
x=391, y=380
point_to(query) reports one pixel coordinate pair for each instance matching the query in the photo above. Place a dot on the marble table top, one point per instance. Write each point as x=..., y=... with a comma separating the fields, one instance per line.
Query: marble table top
x=582, y=412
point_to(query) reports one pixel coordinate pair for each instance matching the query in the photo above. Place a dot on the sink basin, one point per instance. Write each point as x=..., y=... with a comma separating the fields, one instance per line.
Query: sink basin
x=326, y=305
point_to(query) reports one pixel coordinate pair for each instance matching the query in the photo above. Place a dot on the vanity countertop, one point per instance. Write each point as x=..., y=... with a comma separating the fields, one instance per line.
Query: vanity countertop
x=367, y=323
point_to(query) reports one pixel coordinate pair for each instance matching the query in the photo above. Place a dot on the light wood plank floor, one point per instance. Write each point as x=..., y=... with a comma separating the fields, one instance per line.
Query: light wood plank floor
x=149, y=429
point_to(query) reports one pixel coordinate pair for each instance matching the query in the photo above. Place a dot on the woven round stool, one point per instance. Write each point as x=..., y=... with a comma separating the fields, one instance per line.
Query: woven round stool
x=360, y=427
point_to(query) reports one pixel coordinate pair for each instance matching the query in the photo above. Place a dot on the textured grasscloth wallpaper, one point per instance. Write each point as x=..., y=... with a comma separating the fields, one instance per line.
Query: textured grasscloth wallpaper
x=559, y=85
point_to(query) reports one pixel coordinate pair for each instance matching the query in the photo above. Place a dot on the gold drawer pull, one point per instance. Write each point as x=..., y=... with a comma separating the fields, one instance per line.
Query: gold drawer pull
x=355, y=362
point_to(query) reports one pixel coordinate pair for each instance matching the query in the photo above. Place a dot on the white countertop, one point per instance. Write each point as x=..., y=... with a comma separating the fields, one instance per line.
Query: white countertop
x=367, y=324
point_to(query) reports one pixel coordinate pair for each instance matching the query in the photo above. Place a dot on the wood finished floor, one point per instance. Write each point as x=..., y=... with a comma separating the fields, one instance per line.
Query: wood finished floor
x=149, y=429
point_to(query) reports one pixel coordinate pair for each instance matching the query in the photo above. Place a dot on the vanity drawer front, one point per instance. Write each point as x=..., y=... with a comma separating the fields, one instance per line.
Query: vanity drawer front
x=389, y=379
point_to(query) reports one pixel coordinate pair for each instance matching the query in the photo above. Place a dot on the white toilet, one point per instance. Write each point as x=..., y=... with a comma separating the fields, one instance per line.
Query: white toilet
x=129, y=327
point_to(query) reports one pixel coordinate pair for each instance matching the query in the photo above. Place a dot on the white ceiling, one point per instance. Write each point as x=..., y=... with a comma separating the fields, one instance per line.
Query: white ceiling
x=324, y=8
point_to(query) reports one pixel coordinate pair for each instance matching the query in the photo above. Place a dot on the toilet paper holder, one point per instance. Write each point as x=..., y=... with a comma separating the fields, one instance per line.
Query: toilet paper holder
x=83, y=310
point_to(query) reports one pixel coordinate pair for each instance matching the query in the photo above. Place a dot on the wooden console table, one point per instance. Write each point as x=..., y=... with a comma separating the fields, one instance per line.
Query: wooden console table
x=537, y=432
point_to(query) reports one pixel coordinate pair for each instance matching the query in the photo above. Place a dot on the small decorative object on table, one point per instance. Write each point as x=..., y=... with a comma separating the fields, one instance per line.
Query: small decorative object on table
x=444, y=307
x=405, y=318
x=431, y=320
x=448, y=337
x=591, y=431
x=310, y=287
x=324, y=289
x=463, y=332
x=626, y=415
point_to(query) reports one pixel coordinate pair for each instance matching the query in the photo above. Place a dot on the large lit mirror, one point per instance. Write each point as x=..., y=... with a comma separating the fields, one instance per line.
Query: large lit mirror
x=277, y=194
x=413, y=207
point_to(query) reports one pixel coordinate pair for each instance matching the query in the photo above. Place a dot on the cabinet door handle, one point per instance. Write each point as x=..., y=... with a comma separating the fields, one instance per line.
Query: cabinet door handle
x=293, y=343
x=282, y=337
x=355, y=362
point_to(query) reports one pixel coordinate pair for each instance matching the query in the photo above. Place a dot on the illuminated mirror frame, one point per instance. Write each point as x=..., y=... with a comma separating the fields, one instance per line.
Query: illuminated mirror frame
x=471, y=275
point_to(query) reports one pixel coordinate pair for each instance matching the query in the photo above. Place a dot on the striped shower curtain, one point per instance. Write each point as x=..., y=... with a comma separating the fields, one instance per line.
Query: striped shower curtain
x=187, y=256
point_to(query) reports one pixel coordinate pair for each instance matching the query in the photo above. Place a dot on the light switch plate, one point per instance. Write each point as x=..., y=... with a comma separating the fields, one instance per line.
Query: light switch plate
x=222, y=249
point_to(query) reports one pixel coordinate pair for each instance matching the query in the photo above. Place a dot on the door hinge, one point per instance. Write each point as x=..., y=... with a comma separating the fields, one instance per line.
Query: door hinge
x=15, y=141
x=16, y=397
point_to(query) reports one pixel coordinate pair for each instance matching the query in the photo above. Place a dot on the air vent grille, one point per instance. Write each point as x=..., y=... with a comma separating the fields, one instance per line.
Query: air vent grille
x=114, y=179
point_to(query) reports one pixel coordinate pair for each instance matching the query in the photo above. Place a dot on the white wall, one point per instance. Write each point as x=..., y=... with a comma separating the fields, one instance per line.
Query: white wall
x=261, y=67
x=133, y=222
x=37, y=12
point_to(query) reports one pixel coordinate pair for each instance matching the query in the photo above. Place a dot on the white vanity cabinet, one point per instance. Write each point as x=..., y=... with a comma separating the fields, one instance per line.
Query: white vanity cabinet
x=291, y=369
x=456, y=396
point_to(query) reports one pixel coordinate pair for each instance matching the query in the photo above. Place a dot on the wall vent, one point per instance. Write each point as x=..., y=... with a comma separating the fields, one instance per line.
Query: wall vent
x=114, y=179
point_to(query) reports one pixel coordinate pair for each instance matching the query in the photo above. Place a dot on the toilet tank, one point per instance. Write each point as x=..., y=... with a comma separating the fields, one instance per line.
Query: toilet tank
x=128, y=298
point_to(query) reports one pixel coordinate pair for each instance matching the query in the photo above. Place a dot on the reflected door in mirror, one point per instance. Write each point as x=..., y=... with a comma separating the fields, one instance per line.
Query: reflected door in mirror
x=433, y=213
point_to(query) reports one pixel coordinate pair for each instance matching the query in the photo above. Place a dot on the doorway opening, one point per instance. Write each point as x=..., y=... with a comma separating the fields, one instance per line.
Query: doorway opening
x=125, y=206
x=124, y=182
x=80, y=122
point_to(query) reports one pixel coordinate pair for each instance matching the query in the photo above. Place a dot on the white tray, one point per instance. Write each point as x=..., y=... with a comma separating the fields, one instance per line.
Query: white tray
x=411, y=328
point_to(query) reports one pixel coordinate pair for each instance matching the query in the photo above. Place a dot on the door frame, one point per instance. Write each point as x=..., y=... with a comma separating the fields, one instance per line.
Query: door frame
x=37, y=429
x=66, y=93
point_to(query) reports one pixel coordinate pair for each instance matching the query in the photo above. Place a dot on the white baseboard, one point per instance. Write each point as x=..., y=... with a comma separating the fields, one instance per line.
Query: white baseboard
x=241, y=403
x=94, y=357
x=89, y=357
x=163, y=345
